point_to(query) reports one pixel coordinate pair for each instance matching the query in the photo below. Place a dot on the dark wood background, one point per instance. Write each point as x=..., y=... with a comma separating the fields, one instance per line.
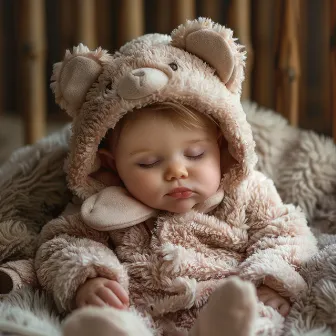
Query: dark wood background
x=265, y=23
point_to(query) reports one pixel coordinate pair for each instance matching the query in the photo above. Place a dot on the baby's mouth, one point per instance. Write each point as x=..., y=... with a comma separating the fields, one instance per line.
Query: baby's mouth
x=180, y=193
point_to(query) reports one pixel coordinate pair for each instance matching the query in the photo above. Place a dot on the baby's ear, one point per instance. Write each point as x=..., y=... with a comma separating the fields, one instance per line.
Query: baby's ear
x=227, y=161
x=106, y=158
x=215, y=45
x=107, y=171
x=73, y=77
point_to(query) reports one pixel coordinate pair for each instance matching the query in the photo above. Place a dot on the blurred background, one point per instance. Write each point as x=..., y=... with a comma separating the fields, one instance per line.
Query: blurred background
x=291, y=49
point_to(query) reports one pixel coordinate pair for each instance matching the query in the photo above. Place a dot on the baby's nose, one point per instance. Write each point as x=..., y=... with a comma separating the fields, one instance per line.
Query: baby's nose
x=176, y=171
x=142, y=82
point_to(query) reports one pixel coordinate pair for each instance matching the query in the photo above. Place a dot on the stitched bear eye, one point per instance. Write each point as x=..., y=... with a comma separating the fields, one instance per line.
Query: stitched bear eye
x=174, y=66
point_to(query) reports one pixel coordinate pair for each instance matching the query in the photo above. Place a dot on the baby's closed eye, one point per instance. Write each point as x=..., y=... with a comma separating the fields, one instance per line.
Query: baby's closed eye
x=148, y=165
x=194, y=152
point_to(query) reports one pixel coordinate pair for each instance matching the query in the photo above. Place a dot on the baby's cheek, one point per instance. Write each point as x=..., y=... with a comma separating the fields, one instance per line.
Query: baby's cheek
x=211, y=176
x=143, y=179
x=141, y=183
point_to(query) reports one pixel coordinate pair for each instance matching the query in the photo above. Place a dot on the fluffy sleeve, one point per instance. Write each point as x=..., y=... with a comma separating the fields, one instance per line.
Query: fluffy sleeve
x=69, y=254
x=279, y=240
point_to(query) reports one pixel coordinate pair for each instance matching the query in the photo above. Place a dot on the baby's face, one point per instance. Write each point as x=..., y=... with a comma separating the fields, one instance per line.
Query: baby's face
x=168, y=167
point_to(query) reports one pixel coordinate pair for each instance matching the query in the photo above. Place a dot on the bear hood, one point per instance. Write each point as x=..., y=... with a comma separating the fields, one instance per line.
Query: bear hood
x=199, y=65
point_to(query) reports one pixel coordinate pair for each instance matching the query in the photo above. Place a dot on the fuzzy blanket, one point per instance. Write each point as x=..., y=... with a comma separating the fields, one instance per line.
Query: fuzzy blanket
x=302, y=164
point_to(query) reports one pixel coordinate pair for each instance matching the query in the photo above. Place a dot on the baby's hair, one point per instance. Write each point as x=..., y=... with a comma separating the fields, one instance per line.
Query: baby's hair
x=181, y=115
x=178, y=115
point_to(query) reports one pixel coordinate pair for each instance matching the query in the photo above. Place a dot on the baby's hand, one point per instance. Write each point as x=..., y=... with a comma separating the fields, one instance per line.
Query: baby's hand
x=271, y=298
x=101, y=292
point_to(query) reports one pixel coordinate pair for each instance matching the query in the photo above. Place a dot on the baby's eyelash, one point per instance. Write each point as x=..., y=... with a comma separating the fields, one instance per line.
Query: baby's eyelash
x=151, y=165
x=195, y=157
x=146, y=166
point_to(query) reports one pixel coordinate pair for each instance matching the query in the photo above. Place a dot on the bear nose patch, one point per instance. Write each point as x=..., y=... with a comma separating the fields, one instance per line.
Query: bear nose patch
x=142, y=82
x=138, y=73
x=141, y=76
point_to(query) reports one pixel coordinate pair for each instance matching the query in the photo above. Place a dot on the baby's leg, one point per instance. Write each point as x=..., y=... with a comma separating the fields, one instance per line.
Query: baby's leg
x=231, y=311
x=105, y=321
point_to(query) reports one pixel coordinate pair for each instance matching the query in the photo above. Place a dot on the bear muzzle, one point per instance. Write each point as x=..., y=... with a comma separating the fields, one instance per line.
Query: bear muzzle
x=142, y=82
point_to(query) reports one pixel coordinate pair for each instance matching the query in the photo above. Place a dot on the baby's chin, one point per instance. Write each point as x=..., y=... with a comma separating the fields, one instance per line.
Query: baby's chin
x=180, y=207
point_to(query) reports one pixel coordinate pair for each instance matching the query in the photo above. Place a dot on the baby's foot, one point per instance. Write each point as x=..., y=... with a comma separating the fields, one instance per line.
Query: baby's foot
x=231, y=311
x=107, y=321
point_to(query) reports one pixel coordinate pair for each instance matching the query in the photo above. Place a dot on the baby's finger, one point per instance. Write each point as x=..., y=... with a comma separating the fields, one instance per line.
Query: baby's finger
x=110, y=298
x=263, y=297
x=95, y=301
x=274, y=303
x=80, y=304
x=119, y=291
x=284, y=309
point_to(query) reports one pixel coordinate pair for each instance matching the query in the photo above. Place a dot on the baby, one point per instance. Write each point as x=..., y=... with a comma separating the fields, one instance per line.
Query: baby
x=169, y=158
x=170, y=214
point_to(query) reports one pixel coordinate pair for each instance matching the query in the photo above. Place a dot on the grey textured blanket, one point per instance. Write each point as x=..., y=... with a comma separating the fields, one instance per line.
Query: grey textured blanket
x=302, y=164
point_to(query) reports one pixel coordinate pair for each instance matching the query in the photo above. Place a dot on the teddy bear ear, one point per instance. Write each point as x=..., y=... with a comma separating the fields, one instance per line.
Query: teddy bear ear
x=73, y=77
x=215, y=45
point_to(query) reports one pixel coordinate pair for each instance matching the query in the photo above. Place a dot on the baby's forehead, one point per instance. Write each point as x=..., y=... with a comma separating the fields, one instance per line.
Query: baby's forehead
x=144, y=121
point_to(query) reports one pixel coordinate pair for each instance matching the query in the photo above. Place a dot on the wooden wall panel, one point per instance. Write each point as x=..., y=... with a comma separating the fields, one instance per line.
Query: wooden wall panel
x=86, y=23
x=65, y=23
x=211, y=9
x=182, y=11
x=2, y=58
x=11, y=68
x=288, y=63
x=104, y=24
x=32, y=75
x=332, y=34
x=264, y=42
x=131, y=20
x=111, y=23
x=163, y=16
x=315, y=107
x=240, y=22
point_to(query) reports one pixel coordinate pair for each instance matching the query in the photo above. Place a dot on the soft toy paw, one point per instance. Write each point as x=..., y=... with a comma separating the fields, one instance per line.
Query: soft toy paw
x=231, y=310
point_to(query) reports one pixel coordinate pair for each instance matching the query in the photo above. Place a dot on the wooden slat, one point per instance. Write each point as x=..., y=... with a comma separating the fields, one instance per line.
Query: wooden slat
x=314, y=108
x=66, y=25
x=305, y=41
x=240, y=21
x=86, y=32
x=131, y=20
x=182, y=11
x=32, y=89
x=325, y=92
x=103, y=22
x=288, y=67
x=263, y=75
x=163, y=15
x=210, y=9
x=2, y=82
x=332, y=12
